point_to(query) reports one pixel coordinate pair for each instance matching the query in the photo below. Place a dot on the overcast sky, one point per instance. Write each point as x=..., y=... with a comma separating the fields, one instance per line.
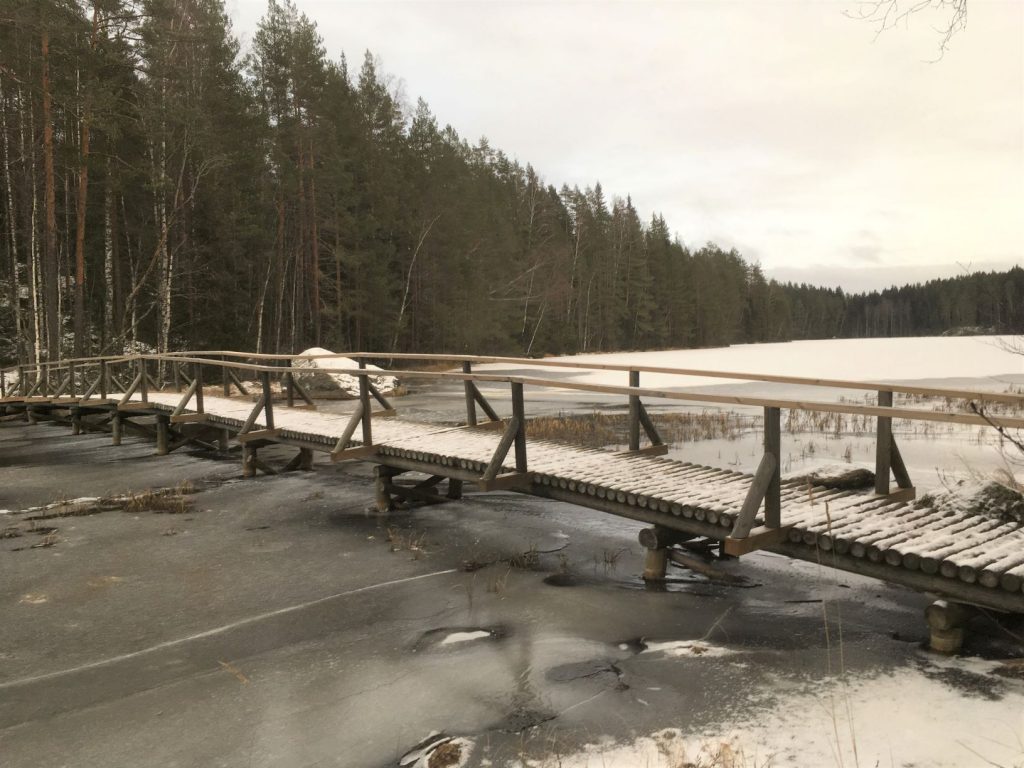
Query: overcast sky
x=781, y=128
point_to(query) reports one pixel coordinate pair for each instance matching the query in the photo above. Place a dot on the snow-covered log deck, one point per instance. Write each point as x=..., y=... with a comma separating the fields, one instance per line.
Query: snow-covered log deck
x=960, y=555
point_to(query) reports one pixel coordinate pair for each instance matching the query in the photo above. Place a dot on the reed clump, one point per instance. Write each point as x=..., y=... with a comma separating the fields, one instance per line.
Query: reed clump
x=597, y=430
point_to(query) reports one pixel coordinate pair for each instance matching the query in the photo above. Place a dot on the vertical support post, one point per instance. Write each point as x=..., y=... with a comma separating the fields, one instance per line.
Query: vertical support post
x=104, y=379
x=773, y=446
x=22, y=381
x=364, y=399
x=115, y=428
x=143, y=381
x=197, y=371
x=519, y=412
x=176, y=367
x=72, y=391
x=634, y=413
x=289, y=383
x=248, y=460
x=225, y=378
x=381, y=476
x=76, y=420
x=454, y=488
x=162, y=422
x=467, y=367
x=268, y=400
x=883, y=446
x=3, y=384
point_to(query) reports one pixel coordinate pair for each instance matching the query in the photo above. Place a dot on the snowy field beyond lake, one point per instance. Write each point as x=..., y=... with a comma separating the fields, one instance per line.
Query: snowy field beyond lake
x=987, y=362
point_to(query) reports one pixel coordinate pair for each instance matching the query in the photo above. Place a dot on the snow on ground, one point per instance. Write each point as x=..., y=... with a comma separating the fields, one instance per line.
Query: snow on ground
x=341, y=383
x=465, y=637
x=900, y=359
x=686, y=648
x=907, y=717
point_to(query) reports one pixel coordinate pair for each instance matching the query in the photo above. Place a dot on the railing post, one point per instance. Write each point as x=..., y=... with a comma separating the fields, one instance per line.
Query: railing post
x=22, y=381
x=72, y=391
x=519, y=412
x=3, y=384
x=268, y=400
x=143, y=381
x=225, y=377
x=176, y=368
x=634, y=413
x=103, y=379
x=197, y=371
x=364, y=399
x=883, y=446
x=467, y=385
x=289, y=383
x=773, y=447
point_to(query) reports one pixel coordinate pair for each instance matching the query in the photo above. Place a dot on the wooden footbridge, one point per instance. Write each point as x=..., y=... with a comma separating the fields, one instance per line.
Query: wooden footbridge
x=258, y=400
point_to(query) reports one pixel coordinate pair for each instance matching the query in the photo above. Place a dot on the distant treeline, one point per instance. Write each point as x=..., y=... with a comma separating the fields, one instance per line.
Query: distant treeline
x=160, y=190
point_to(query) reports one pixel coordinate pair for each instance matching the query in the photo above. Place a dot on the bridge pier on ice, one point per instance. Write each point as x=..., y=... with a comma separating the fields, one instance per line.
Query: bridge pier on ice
x=257, y=401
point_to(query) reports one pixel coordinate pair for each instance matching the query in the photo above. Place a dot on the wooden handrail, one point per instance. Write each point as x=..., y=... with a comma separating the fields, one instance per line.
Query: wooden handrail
x=646, y=392
x=869, y=386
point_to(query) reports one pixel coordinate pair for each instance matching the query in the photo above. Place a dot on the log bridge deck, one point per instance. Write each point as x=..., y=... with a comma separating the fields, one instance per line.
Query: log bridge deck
x=878, y=532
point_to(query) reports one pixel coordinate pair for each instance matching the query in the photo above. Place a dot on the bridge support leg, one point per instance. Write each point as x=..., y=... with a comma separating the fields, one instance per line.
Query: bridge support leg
x=381, y=480
x=656, y=542
x=30, y=415
x=116, y=428
x=946, y=622
x=454, y=488
x=248, y=460
x=223, y=436
x=76, y=421
x=162, y=427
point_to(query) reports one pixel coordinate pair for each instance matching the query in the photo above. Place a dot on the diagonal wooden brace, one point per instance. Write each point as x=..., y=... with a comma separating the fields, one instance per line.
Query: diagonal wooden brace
x=755, y=495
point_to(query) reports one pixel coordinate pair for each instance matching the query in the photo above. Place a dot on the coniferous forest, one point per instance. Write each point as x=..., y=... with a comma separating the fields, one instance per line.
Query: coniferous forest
x=163, y=189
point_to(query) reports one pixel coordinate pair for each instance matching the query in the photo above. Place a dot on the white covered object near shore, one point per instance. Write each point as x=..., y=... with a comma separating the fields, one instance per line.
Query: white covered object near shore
x=319, y=380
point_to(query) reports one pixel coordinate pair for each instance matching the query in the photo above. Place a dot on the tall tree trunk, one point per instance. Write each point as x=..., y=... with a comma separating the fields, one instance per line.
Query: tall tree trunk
x=314, y=265
x=83, y=190
x=12, y=242
x=108, y=260
x=51, y=268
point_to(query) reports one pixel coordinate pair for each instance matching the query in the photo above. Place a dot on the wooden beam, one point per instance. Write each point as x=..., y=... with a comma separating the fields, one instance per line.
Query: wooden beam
x=759, y=538
x=773, y=448
x=883, y=446
x=514, y=481
x=359, y=452
x=899, y=469
x=260, y=434
x=350, y=429
x=755, y=495
x=634, y=413
x=498, y=458
x=189, y=418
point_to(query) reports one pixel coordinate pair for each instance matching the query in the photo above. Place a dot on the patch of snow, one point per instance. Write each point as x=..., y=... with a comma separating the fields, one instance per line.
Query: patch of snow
x=687, y=648
x=902, y=718
x=465, y=637
x=344, y=383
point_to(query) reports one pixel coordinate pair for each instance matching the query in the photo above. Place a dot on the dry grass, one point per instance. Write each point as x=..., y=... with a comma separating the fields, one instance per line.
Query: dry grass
x=597, y=430
x=446, y=755
x=406, y=541
x=163, y=501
